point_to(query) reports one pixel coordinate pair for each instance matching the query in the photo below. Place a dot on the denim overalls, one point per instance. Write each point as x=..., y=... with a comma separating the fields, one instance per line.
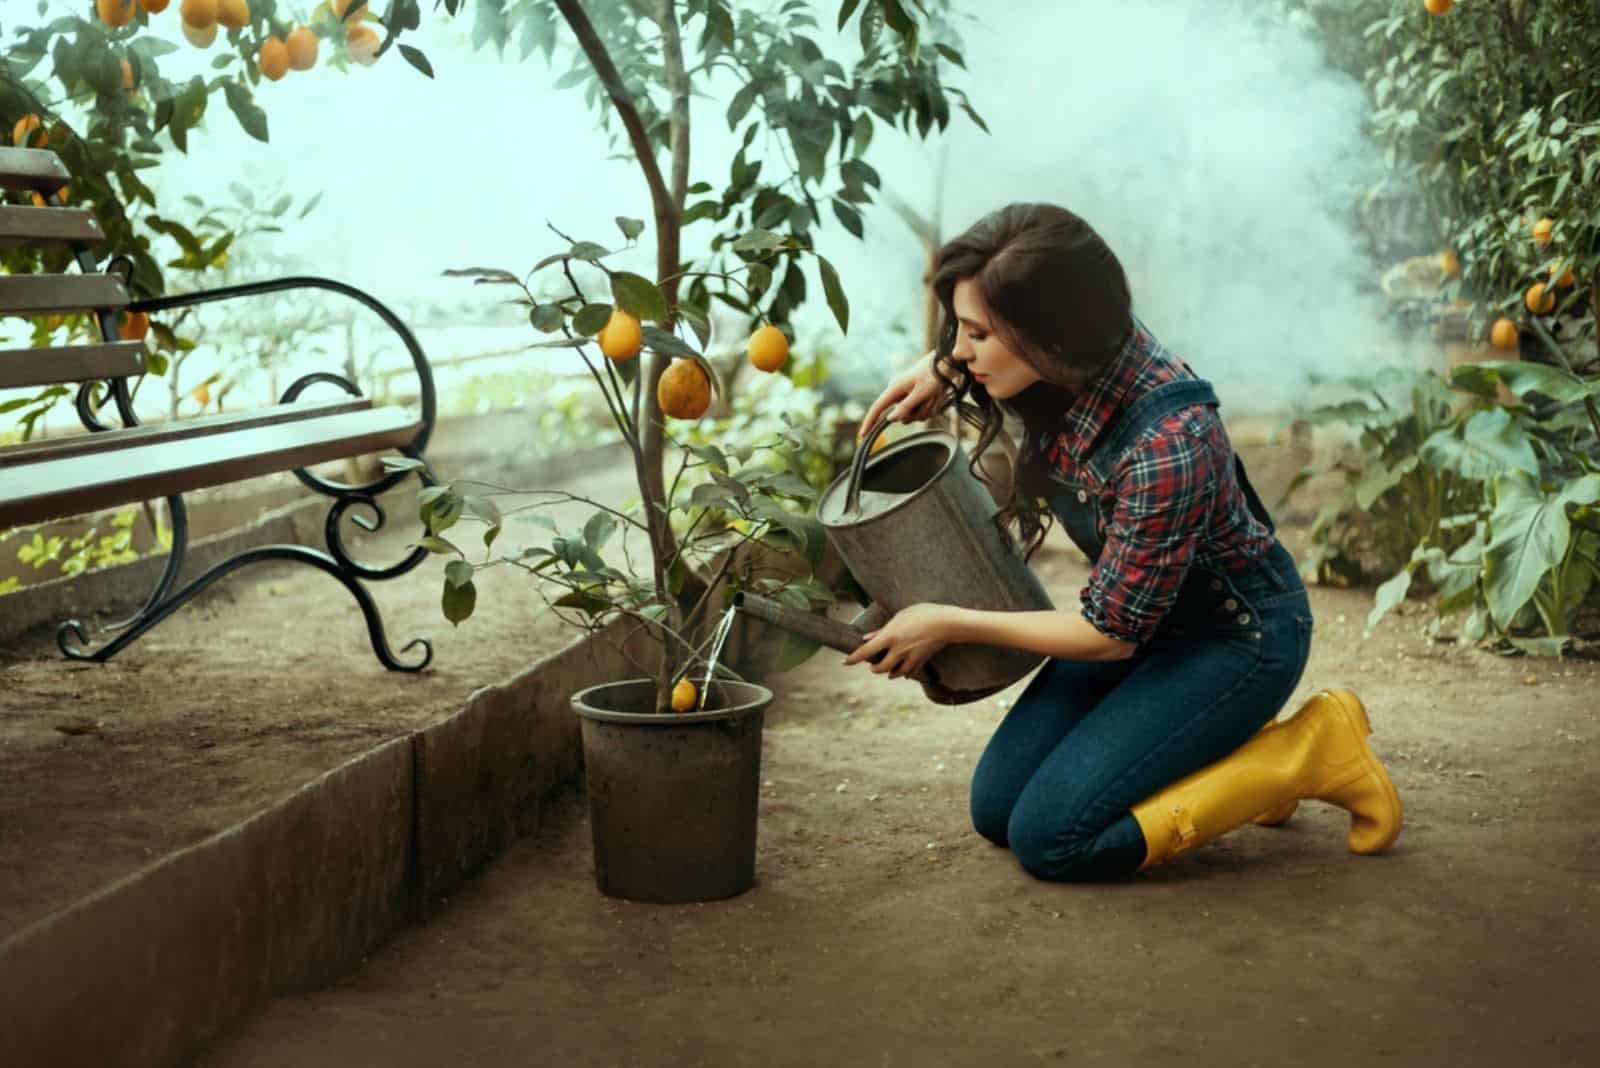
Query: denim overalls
x=1087, y=741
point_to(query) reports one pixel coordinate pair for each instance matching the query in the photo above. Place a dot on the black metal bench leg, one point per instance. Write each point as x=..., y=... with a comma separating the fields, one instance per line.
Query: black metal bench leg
x=73, y=637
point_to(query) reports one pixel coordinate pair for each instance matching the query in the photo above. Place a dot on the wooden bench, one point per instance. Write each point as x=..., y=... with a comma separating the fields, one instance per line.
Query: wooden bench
x=121, y=464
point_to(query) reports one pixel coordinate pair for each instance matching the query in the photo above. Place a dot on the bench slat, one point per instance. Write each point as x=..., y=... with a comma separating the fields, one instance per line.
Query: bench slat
x=70, y=363
x=21, y=227
x=73, y=485
x=38, y=169
x=48, y=294
x=156, y=433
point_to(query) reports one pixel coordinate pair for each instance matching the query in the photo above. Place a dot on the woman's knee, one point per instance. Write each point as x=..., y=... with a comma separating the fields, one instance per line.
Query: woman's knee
x=990, y=803
x=1061, y=846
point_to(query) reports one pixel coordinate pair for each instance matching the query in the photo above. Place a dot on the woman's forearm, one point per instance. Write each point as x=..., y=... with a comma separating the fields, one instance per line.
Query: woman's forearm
x=1059, y=634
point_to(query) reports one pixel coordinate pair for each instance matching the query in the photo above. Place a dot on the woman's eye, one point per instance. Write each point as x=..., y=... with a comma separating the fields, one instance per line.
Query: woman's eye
x=977, y=337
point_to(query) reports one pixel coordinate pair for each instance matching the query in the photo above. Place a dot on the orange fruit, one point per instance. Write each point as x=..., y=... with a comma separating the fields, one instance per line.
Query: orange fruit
x=684, y=391
x=127, y=75
x=621, y=338
x=40, y=202
x=769, y=348
x=1541, y=231
x=302, y=48
x=361, y=44
x=115, y=12
x=1538, y=301
x=234, y=14
x=1503, y=335
x=683, y=696
x=1562, y=275
x=273, y=59
x=1449, y=263
x=200, y=37
x=22, y=132
x=202, y=394
x=135, y=325
x=1438, y=7
x=201, y=14
x=154, y=7
x=340, y=5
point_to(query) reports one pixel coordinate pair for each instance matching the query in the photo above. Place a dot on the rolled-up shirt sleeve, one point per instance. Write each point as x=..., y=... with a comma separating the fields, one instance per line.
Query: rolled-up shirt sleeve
x=1165, y=488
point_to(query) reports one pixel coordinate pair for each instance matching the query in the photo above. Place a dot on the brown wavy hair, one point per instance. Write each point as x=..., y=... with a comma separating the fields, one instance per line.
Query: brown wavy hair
x=1059, y=299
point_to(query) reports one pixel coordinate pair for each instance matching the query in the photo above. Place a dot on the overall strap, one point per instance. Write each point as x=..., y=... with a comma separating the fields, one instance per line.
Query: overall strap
x=1148, y=410
x=1164, y=400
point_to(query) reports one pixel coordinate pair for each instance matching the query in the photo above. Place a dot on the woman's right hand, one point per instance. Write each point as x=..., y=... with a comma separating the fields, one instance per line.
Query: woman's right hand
x=915, y=395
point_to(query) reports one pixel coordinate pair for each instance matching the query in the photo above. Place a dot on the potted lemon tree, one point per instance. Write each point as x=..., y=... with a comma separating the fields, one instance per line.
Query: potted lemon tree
x=672, y=755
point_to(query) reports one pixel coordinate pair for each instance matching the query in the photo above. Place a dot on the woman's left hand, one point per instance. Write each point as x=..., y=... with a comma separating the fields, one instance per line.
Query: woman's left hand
x=908, y=641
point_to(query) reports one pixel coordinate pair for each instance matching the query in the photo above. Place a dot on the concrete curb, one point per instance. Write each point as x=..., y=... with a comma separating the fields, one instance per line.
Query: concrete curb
x=147, y=971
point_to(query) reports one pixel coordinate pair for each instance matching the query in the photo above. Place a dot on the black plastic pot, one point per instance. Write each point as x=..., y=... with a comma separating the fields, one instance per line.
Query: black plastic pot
x=672, y=797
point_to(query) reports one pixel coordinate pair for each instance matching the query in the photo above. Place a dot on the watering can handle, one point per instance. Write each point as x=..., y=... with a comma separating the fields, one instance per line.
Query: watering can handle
x=858, y=463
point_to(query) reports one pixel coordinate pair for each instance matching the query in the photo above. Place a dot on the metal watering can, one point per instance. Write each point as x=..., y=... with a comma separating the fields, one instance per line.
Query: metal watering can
x=914, y=524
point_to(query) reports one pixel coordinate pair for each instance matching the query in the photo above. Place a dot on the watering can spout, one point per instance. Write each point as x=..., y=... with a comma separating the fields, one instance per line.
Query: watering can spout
x=847, y=637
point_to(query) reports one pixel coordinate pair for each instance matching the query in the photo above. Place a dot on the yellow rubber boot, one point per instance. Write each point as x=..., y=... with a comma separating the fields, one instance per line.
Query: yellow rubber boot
x=1283, y=813
x=1320, y=752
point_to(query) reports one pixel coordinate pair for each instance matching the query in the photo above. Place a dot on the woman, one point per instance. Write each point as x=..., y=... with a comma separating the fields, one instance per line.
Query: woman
x=1142, y=735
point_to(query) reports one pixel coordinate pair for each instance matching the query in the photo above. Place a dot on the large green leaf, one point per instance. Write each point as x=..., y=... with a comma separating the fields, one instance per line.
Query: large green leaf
x=1488, y=444
x=1522, y=378
x=1531, y=530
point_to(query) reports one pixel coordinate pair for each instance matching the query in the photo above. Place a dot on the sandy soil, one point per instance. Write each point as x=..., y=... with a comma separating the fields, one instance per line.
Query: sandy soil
x=881, y=930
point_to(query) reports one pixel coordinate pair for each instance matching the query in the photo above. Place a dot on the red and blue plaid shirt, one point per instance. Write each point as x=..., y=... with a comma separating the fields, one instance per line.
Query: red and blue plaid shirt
x=1172, y=502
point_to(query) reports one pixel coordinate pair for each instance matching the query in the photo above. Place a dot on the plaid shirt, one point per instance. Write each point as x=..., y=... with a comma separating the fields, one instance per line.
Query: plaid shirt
x=1171, y=503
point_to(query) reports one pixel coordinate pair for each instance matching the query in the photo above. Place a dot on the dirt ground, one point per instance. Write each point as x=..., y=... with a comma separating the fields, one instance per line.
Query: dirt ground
x=882, y=929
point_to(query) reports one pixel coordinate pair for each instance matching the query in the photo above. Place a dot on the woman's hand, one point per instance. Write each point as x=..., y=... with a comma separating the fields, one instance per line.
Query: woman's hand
x=917, y=394
x=908, y=641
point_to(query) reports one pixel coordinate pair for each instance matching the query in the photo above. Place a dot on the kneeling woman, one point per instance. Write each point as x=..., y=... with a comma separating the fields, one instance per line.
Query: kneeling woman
x=1142, y=736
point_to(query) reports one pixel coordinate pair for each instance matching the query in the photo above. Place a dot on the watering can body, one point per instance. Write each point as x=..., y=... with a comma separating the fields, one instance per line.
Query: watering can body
x=913, y=524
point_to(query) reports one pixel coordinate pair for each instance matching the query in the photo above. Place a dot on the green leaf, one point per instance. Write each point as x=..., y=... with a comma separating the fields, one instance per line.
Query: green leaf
x=1523, y=378
x=547, y=317
x=1489, y=443
x=758, y=241
x=1390, y=594
x=588, y=250
x=584, y=601
x=711, y=495
x=598, y=530
x=415, y=57
x=638, y=296
x=837, y=301
x=669, y=344
x=482, y=507
x=458, y=573
x=435, y=544
x=458, y=602
x=847, y=9
x=251, y=118
x=591, y=319
x=631, y=228
x=1531, y=531
x=848, y=217
x=1379, y=481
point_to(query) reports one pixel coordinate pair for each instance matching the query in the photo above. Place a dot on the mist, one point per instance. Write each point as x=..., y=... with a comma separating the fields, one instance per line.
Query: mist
x=1208, y=143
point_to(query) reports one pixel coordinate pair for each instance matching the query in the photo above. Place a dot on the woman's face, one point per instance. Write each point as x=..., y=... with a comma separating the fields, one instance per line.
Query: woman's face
x=1003, y=373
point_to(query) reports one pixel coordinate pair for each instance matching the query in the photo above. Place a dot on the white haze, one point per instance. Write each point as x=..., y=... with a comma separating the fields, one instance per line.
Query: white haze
x=1209, y=145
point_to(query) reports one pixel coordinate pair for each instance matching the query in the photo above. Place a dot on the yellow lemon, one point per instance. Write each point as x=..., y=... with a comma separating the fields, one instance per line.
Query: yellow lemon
x=769, y=348
x=683, y=696
x=621, y=338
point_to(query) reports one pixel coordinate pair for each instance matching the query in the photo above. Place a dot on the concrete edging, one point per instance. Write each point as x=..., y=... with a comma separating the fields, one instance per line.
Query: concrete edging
x=145, y=972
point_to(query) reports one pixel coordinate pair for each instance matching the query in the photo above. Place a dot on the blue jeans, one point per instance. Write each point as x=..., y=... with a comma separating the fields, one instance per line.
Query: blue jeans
x=1087, y=741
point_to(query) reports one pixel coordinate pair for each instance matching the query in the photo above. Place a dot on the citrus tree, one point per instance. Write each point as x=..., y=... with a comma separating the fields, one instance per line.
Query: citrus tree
x=636, y=66
x=1483, y=484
